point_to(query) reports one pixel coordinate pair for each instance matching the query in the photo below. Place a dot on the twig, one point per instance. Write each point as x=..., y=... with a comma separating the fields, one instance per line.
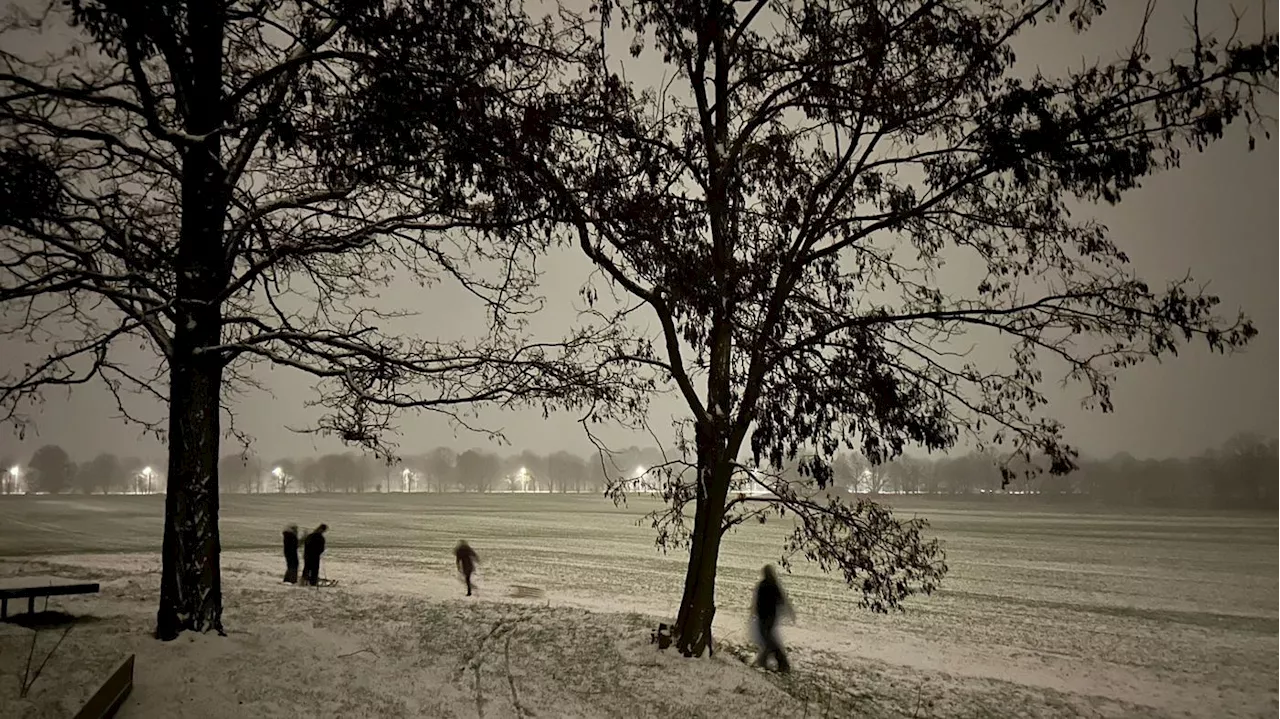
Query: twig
x=22, y=694
x=479, y=696
x=511, y=681
x=479, y=648
x=919, y=691
x=26, y=686
x=358, y=651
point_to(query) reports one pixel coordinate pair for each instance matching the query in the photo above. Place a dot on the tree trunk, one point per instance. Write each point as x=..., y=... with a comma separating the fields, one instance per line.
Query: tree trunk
x=715, y=452
x=191, y=580
x=698, y=605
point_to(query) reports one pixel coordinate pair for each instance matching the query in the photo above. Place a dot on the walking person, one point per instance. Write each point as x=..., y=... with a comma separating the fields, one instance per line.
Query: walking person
x=312, y=548
x=467, y=560
x=769, y=605
x=291, y=554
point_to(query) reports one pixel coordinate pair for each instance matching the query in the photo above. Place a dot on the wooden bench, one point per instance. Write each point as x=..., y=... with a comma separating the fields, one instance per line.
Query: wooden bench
x=31, y=587
x=106, y=702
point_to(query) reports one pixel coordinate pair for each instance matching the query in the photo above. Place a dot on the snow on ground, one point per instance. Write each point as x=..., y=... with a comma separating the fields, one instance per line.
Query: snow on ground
x=1082, y=616
x=398, y=645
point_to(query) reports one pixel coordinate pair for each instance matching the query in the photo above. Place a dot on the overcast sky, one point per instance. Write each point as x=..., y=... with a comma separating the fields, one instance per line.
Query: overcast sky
x=1216, y=217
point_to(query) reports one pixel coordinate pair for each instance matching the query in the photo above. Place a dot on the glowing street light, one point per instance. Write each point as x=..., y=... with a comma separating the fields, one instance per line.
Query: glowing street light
x=147, y=474
x=16, y=472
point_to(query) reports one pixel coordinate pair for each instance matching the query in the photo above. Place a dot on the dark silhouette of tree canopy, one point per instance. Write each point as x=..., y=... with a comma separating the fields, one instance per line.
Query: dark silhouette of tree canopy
x=101, y=474
x=477, y=471
x=566, y=471
x=310, y=477
x=50, y=470
x=440, y=466
x=786, y=215
x=341, y=473
x=239, y=472
x=189, y=175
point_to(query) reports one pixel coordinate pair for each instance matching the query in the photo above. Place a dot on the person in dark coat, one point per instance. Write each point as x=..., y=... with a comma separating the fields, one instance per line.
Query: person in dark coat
x=312, y=548
x=467, y=560
x=291, y=554
x=769, y=605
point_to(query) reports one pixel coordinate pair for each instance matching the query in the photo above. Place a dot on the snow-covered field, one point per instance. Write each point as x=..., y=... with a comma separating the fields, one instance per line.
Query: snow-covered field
x=1046, y=613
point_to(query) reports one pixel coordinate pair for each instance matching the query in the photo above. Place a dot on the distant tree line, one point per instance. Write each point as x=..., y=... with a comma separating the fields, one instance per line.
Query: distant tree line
x=441, y=469
x=1242, y=473
x=50, y=470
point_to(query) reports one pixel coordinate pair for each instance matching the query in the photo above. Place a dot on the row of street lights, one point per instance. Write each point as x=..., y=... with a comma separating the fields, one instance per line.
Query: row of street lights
x=147, y=475
x=13, y=480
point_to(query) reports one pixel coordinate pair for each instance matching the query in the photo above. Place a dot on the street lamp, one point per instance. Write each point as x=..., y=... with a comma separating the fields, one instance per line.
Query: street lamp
x=16, y=472
x=146, y=476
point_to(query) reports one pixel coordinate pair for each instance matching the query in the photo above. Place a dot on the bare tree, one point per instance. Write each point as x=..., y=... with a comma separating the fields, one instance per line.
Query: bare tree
x=786, y=216
x=192, y=176
x=441, y=463
x=565, y=471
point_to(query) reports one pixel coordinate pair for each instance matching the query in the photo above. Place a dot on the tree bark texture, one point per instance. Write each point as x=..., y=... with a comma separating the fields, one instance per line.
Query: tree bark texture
x=714, y=463
x=191, y=582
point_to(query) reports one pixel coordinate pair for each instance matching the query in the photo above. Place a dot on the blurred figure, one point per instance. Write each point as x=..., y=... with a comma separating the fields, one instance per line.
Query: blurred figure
x=291, y=554
x=467, y=560
x=769, y=605
x=312, y=548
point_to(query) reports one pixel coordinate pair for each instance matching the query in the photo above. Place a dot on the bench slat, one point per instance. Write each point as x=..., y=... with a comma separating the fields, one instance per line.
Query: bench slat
x=55, y=590
x=106, y=701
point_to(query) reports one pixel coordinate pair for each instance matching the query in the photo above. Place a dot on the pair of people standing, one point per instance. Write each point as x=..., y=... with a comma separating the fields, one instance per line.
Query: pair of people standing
x=312, y=548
